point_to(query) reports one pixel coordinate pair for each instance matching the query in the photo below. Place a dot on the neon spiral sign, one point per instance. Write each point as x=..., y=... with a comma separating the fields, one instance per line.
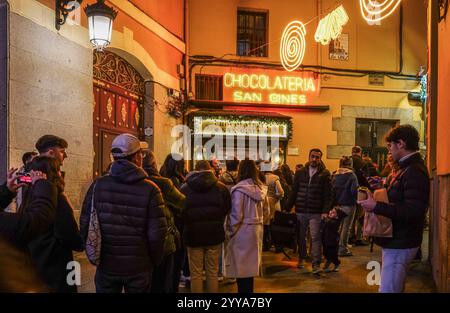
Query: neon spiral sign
x=374, y=11
x=293, y=43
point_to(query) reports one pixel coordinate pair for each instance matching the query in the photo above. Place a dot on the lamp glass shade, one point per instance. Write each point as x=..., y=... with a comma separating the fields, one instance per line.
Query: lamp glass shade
x=100, y=29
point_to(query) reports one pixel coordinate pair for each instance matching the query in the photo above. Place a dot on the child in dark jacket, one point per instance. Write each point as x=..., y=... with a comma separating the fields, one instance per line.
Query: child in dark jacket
x=330, y=239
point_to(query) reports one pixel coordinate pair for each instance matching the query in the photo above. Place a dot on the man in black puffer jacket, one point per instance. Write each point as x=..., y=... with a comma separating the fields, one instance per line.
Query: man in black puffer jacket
x=408, y=196
x=208, y=201
x=130, y=211
x=311, y=195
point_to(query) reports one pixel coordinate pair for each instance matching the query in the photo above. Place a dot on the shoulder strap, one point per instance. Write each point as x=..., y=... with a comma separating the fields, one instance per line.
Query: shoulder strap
x=93, y=197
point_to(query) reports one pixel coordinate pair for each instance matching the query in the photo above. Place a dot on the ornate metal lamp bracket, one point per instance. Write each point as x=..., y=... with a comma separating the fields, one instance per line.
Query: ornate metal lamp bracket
x=62, y=10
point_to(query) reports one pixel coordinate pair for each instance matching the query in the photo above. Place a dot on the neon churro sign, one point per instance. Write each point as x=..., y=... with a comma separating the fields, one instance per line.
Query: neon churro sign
x=271, y=87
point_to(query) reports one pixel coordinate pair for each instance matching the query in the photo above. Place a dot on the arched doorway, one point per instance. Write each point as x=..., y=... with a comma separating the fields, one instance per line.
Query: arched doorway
x=118, y=107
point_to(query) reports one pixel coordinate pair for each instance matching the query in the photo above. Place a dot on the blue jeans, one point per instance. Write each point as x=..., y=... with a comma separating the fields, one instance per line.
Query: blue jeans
x=313, y=220
x=394, y=267
x=221, y=261
x=346, y=226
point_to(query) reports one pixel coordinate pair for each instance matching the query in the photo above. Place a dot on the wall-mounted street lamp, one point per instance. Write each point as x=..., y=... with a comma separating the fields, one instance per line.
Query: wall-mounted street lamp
x=100, y=21
x=62, y=10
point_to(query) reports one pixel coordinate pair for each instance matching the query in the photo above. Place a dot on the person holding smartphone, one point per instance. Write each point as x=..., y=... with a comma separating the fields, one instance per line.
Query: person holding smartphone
x=408, y=195
x=20, y=228
x=52, y=250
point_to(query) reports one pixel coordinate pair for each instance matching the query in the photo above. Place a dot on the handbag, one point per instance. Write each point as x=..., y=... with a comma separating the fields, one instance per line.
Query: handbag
x=377, y=225
x=94, y=236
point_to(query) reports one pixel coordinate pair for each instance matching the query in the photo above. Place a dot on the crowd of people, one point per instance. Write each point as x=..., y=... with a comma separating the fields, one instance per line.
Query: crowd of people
x=155, y=227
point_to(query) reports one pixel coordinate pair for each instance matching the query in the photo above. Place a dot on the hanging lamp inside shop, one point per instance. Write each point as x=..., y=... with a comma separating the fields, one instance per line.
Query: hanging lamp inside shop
x=100, y=21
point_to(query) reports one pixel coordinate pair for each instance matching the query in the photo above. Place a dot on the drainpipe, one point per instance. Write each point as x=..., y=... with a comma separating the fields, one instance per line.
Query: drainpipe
x=434, y=251
x=186, y=40
x=319, y=46
x=187, y=76
x=433, y=11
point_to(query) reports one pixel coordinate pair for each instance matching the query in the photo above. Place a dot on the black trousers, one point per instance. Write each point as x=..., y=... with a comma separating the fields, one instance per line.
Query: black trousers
x=162, y=278
x=245, y=285
x=266, y=238
x=178, y=260
x=331, y=254
x=139, y=283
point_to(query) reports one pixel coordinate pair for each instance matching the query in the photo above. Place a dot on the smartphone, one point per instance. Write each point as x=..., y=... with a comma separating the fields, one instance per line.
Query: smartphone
x=24, y=178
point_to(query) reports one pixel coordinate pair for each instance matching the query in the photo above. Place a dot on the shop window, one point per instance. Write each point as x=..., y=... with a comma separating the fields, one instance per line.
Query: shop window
x=208, y=87
x=370, y=136
x=252, y=33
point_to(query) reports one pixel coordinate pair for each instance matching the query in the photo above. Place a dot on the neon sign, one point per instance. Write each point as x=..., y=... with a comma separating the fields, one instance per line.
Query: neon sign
x=292, y=47
x=330, y=27
x=374, y=11
x=266, y=86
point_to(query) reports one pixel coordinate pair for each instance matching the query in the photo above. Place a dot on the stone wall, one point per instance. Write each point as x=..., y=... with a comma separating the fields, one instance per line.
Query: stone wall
x=51, y=93
x=345, y=126
x=3, y=88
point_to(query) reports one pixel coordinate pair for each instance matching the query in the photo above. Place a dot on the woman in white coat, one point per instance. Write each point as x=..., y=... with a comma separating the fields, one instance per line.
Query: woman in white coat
x=244, y=227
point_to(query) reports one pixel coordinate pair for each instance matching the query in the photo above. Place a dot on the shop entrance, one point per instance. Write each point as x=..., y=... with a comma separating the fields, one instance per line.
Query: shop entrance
x=118, y=105
x=370, y=137
x=255, y=135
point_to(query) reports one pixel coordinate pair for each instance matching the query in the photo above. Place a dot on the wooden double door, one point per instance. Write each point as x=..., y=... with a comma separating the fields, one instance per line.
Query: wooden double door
x=116, y=111
x=118, y=104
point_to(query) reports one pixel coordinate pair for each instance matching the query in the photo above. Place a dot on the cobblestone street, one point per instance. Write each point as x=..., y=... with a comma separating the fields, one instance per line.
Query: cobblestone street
x=282, y=276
